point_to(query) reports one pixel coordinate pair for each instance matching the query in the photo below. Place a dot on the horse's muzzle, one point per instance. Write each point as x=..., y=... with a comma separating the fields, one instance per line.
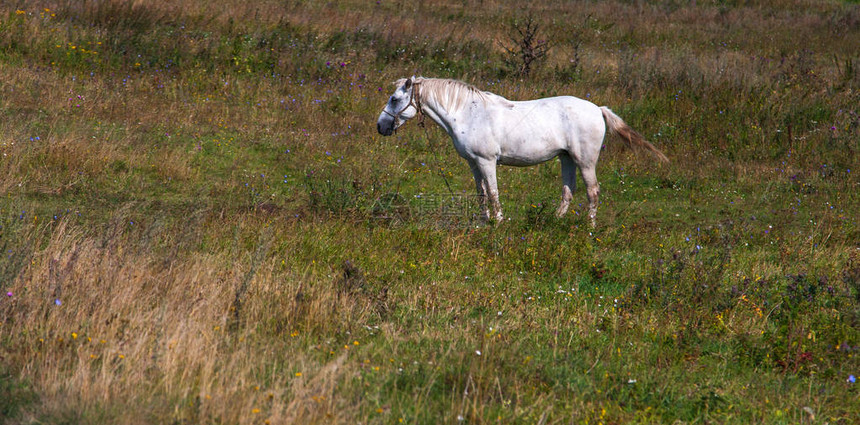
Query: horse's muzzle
x=383, y=131
x=385, y=125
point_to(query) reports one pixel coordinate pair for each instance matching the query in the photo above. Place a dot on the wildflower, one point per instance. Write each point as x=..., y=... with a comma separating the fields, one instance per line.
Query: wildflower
x=852, y=379
x=58, y=302
x=9, y=294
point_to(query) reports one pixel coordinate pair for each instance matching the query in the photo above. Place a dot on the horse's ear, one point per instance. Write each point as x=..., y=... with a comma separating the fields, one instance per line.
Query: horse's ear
x=408, y=83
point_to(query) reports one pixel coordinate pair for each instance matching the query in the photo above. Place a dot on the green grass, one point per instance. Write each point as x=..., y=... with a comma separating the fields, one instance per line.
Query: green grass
x=200, y=224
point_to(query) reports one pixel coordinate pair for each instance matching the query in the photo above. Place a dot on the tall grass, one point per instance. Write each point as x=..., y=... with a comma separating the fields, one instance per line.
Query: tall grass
x=199, y=223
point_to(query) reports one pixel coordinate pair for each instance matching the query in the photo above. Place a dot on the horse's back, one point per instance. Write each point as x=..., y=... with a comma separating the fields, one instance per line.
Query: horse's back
x=570, y=118
x=566, y=110
x=533, y=131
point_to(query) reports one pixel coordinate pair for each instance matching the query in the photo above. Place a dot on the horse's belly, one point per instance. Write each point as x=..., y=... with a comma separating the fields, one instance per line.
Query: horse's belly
x=524, y=159
x=532, y=150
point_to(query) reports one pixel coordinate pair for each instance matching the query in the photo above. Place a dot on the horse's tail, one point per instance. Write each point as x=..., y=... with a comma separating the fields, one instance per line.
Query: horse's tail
x=630, y=137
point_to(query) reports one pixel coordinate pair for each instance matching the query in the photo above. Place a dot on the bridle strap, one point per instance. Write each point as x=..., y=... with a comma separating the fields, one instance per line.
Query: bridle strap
x=413, y=102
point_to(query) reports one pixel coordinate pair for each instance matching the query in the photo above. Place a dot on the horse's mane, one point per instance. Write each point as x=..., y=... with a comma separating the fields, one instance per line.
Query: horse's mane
x=450, y=94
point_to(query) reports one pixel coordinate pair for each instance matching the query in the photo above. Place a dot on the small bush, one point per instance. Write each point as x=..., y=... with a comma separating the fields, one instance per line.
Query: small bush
x=527, y=48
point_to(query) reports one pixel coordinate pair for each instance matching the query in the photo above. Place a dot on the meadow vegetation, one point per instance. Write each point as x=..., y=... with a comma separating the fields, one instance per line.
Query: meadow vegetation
x=200, y=224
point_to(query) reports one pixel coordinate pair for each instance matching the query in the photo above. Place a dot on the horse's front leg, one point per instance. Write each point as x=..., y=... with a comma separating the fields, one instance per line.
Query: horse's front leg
x=481, y=188
x=487, y=170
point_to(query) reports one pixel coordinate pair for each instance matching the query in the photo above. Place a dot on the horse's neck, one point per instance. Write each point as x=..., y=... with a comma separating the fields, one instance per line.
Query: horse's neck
x=439, y=115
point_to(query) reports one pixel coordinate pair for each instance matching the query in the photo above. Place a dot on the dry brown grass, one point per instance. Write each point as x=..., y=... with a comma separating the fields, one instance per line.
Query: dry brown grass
x=123, y=329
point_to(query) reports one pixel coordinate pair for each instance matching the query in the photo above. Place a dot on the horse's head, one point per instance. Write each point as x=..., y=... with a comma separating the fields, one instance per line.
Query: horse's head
x=401, y=106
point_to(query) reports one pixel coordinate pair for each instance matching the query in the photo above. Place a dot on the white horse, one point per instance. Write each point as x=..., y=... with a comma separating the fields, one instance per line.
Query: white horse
x=488, y=129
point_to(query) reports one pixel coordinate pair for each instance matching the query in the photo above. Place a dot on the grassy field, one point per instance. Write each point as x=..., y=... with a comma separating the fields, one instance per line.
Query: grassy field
x=200, y=224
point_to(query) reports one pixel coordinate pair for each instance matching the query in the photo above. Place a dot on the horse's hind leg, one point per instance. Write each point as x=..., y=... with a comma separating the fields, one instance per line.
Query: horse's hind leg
x=589, y=176
x=568, y=180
